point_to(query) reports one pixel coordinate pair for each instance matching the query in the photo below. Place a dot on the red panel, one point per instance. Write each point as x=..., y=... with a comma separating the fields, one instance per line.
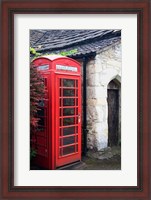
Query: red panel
x=68, y=123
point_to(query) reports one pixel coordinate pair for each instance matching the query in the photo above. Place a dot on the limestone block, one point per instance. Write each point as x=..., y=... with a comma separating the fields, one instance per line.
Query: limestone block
x=96, y=102
x=91, y=141
x=93, y=80
x=118, y=51
x=100, y=92
x=92, y=112
x=97, y=136
x=91, y=62
x=91, y=102
x=90, y=92
x=96, y=92
x=107, y=75
x=91, y=128
x=90, y=68
x=98, y=63
x=105, y=67
x=112, y=63
x=99, y=128
x=102, y=143
x=100, y=114
x=99, y=67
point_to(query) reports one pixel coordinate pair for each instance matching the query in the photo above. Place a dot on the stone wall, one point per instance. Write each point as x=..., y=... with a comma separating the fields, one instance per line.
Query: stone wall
x=105, y=67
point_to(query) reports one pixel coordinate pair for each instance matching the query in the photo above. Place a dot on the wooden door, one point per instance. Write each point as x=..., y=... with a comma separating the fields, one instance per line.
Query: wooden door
x=113, y=116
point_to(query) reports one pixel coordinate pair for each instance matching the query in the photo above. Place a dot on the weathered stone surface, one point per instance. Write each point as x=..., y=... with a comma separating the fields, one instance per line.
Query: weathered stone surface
x=93, y=80
x=94, y=102
x=96, y=92
x=105, y=67
x=107, y=75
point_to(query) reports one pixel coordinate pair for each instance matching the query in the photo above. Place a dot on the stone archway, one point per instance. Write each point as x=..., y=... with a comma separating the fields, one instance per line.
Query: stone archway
x=114, y=108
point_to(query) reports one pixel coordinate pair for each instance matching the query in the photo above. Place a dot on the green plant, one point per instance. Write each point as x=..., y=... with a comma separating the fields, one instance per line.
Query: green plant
x=33, y=53
x=68, y=53
x=36, y=94
x=32, y=153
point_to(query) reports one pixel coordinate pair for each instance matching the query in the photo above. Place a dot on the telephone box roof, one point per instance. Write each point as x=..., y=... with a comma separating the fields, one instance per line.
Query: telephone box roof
x=54, y=57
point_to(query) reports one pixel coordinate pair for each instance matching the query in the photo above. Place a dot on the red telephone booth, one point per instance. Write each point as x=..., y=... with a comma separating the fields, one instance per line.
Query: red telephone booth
x=58, y=137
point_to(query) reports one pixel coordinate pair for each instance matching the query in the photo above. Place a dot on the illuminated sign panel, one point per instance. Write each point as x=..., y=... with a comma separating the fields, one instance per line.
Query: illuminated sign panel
x=67, y=68
x=43, y=67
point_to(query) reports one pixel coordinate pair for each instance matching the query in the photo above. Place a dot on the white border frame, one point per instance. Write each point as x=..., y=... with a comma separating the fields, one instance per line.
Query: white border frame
x=125, y=177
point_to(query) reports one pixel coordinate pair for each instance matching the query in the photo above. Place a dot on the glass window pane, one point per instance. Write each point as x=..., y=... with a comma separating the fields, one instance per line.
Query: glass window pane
x=60, y=102
x=76, y=120
x=68, y=150
x=77, y=102
x=68, y=131
x=76, y=148
x=61, y=131
x=76, y=129
x=60, y=142
x=76, y=138
x=68, y=121
x=61, y=152
x=68, y=102
x=69, y=140
x=68, y=83
x=45, y=82
x=61, y=82
x=68, y=111
x=76, y=93
x=60, y=122
x=68, y=92
x=76, y=83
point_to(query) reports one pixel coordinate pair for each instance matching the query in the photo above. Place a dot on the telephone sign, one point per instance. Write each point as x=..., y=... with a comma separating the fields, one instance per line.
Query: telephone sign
x=68, y=68
x=43, y=67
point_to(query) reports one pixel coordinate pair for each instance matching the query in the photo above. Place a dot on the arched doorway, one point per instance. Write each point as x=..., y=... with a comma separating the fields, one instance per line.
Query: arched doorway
x=113, y=100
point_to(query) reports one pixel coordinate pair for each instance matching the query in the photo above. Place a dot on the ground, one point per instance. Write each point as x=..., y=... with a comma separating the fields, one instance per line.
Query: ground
x=106, y=159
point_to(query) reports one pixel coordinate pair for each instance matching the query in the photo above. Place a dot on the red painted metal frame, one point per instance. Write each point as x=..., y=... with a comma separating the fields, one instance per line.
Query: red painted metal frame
x=75, y=156
x=49, y=146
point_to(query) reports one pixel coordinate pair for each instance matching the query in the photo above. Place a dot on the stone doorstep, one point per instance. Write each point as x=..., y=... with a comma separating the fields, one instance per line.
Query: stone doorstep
x=105, y=153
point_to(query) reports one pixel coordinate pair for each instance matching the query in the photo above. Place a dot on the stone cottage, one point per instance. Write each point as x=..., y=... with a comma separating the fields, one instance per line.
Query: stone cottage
x=99, y=52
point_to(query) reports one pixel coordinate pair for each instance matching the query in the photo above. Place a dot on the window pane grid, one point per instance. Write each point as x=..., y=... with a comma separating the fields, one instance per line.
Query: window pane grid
x=67, y=126
x=68, y=88
x=65, y=136
x=68, y=107
x=68, y=117
x=68, y=145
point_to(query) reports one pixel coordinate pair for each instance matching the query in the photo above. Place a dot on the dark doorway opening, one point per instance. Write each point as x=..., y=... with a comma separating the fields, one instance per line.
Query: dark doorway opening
x=113, y=112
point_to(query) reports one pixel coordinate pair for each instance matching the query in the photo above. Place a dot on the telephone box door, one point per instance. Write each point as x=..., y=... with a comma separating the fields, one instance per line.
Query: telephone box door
x=68, y=119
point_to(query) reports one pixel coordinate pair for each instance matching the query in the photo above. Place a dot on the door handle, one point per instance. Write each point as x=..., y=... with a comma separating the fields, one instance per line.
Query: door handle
x=79, y=118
